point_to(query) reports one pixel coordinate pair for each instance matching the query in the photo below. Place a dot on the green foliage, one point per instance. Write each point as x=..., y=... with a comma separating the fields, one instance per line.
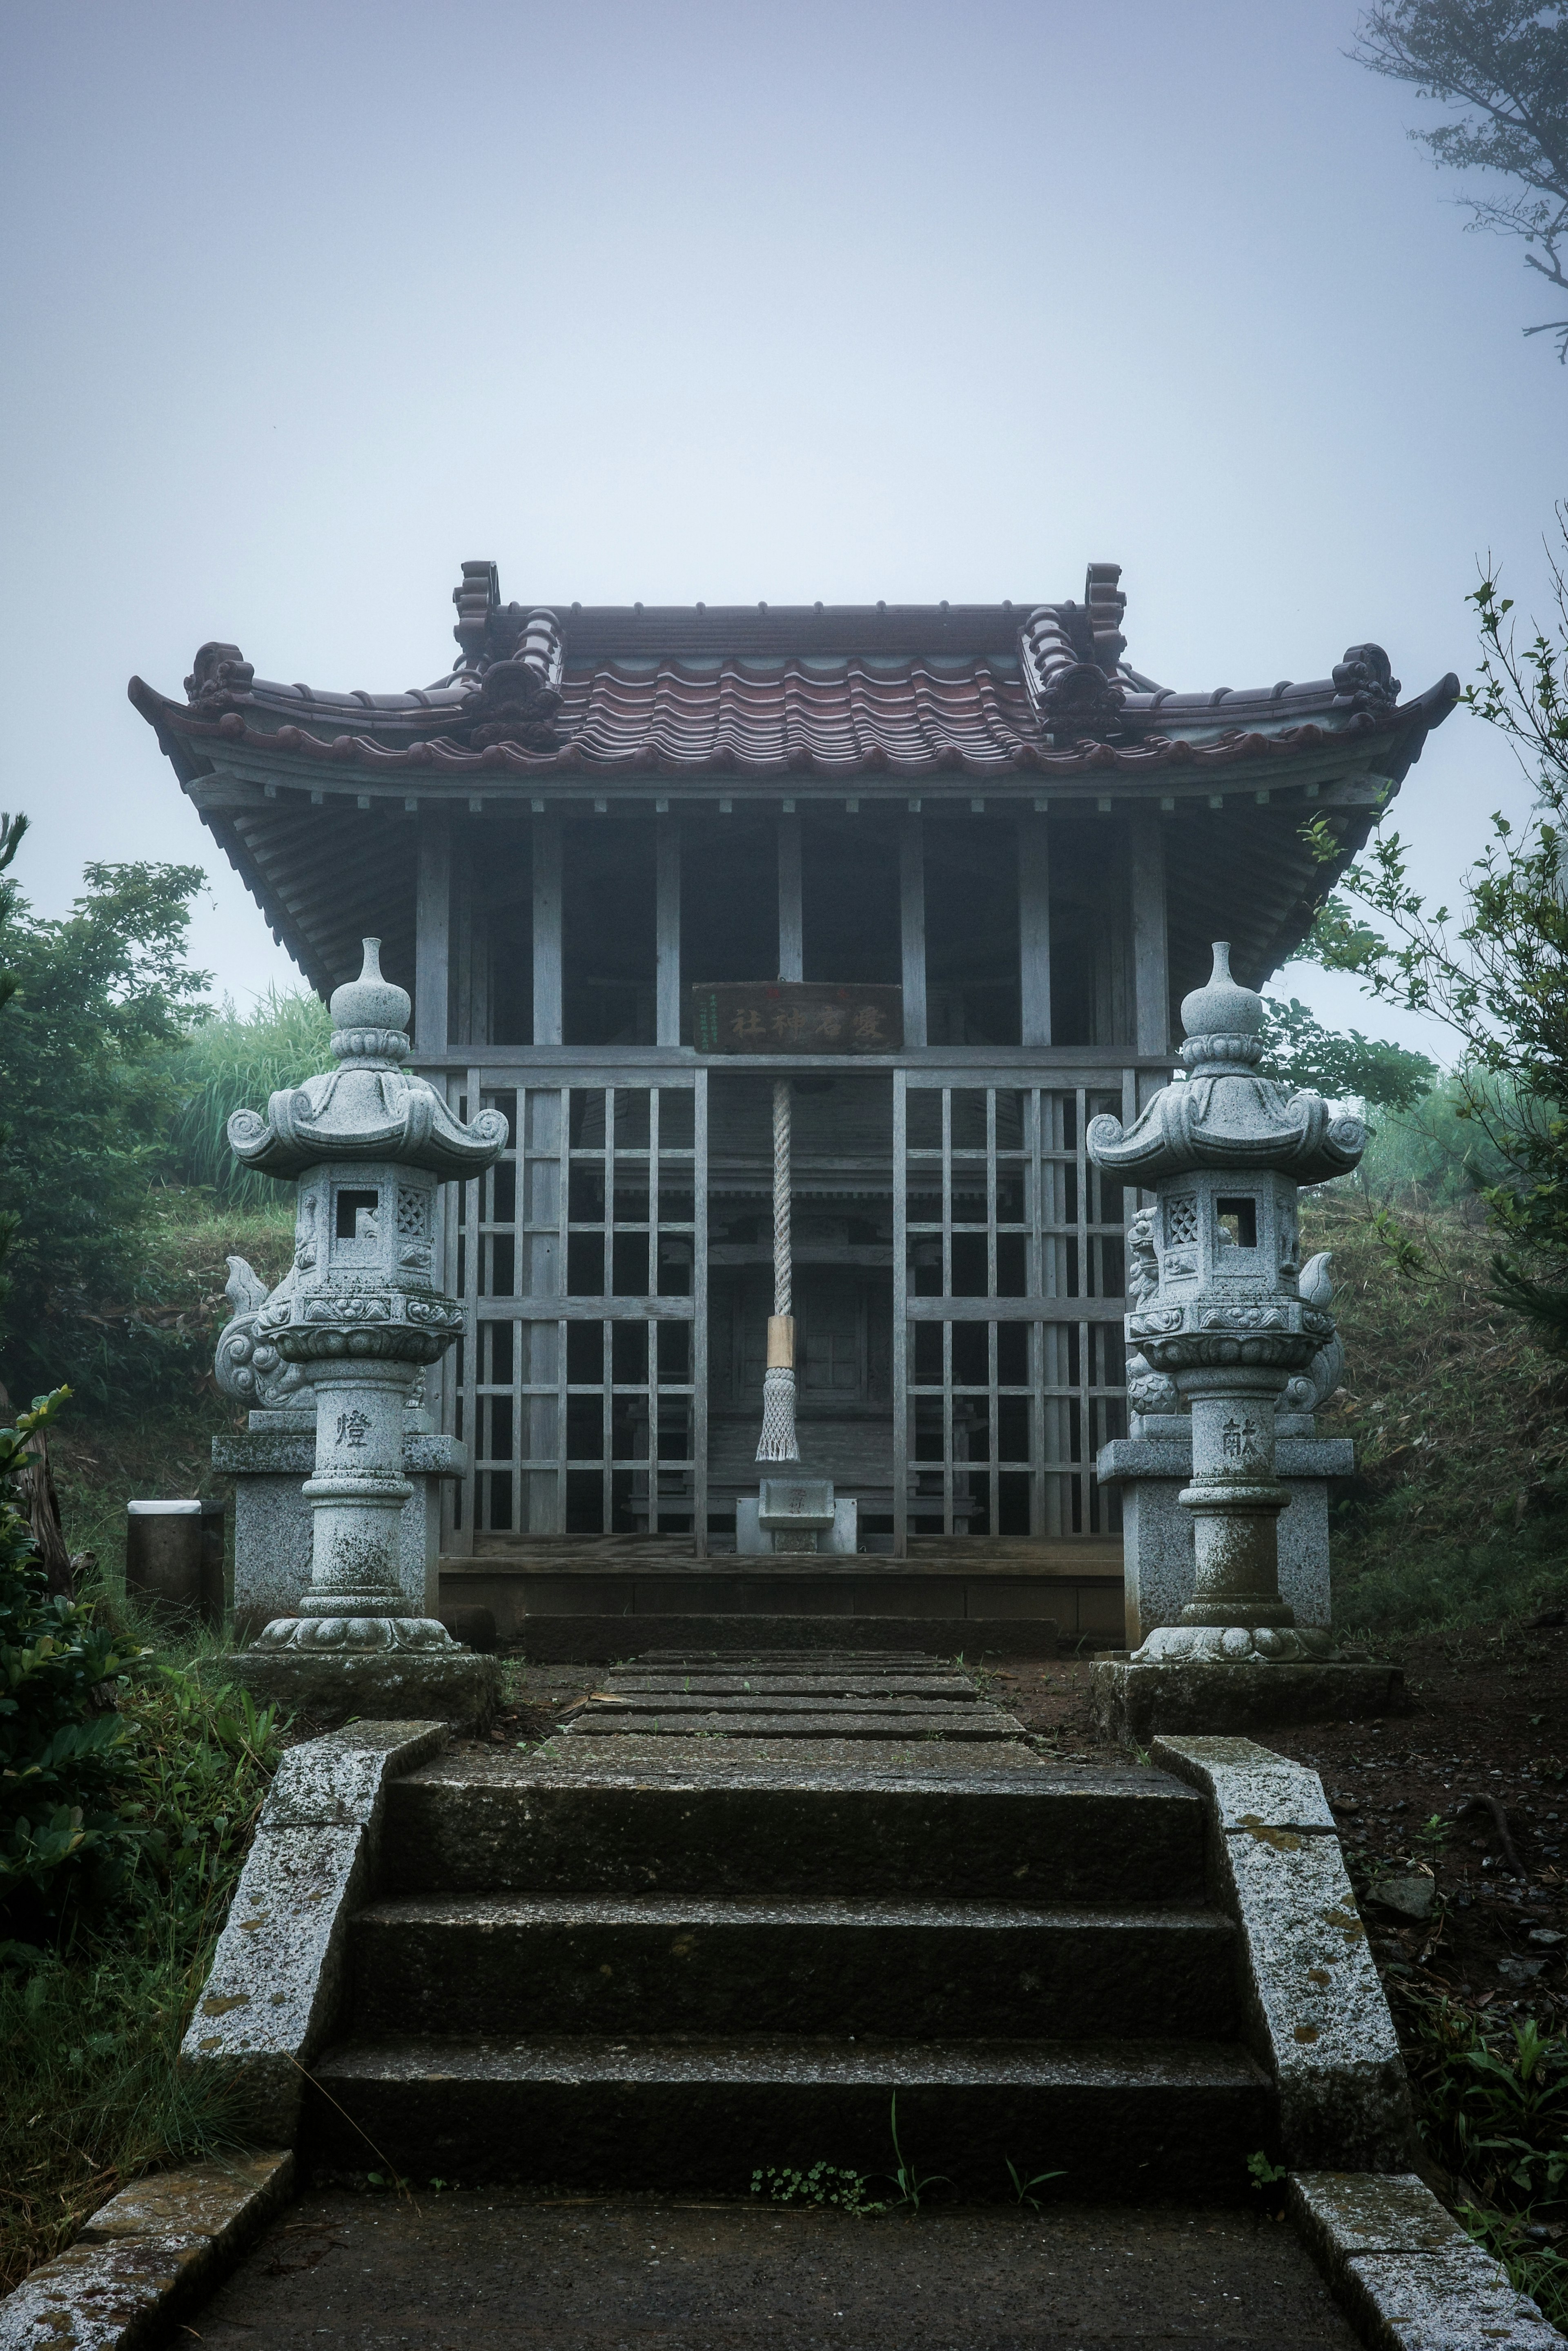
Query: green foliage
x=1504, y=64
x=1494, y=2112
x=826, y=2184
x=1458, y=1512
x=235, y=1062
x=911, y=2184
x=1023, y=2189
x=103, y=1005
x=65, y=1845
x=1433, y=1154
x=1496, y=974
x=201, y=1760
x=1301, y=1053
x=12, y=829
x=1403, y=1254
x=90, y=2092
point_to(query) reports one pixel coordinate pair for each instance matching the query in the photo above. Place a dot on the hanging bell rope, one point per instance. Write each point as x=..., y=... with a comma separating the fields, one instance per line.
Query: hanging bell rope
x=777, y=1441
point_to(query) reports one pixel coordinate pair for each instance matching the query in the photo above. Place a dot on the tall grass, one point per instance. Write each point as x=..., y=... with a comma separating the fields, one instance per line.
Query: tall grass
x=1459, y=1511
x=234, y=1061
x=90, y=2095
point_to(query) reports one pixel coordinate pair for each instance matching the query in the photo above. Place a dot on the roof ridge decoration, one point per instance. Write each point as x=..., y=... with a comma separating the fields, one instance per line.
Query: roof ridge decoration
x=476, y=596
x=220, y=678
x=1106, y=604
x=1365, y=681
x=1074, y=700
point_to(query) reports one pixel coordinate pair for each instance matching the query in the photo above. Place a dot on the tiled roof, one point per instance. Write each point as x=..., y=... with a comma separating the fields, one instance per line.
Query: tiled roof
x=632, y=707
x=910, y=691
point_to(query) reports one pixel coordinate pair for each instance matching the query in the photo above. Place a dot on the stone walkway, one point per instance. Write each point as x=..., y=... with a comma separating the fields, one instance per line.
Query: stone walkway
x=784, y=1694
x=485, y=2271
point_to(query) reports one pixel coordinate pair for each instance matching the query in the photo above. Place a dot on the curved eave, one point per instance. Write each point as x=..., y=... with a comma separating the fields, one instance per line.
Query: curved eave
x=427, y=764
x=292, y=820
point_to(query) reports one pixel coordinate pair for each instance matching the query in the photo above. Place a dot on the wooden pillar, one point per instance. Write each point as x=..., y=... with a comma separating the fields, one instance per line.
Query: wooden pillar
x=1034, y=930
x=791, y=946
x=667, y=931
x=546, y=931
x=433, y=934
x=912, y=925
x=1151, y=960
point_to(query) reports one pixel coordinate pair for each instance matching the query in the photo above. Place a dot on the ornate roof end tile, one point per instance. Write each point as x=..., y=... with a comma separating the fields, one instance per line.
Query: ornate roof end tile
x=1364, y=681
x=220, y=676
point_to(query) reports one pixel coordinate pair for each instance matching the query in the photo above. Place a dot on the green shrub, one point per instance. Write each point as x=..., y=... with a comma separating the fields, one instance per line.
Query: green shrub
x=63, y=1766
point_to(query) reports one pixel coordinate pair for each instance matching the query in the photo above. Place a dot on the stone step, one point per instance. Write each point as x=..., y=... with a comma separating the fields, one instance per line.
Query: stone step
x=788, y=1717
x=473, y=1822
x=790, y=1661
x=1124, y=2120
x=613, y=1965
x=749, y=1681
x=549, y=1640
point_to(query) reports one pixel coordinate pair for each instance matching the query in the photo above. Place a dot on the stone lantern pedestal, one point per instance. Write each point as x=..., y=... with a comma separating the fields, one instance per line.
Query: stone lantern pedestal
x=354, y=1322
x=1220, y=1319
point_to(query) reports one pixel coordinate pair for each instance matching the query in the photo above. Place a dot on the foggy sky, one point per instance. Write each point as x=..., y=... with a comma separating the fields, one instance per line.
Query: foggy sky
x=306, y=303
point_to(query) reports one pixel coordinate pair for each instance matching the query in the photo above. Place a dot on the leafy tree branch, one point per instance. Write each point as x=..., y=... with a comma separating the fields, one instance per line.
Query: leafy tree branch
x=1495, y=970
x=1504, y=64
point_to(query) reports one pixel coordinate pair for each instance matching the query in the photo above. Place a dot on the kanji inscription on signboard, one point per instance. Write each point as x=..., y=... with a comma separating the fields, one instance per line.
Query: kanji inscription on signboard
x=796, y=1016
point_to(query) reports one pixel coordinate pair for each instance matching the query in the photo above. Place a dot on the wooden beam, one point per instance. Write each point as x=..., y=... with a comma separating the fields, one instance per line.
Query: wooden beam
x=791, y=945
x=1034, y=929
x=667, y=930
x=1151, y=956
x=912, y=925
x=433, y=934
x=546, y=931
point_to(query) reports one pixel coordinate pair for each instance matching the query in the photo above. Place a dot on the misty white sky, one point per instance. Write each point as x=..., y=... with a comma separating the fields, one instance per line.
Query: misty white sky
x=305, y=304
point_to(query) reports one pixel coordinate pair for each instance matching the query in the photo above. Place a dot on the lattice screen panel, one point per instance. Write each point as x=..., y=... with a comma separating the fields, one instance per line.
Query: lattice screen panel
x=1009, y=1253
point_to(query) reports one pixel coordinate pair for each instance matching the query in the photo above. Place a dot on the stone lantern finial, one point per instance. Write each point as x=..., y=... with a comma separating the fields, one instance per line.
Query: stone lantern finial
x=1218, y=1307
x=366, y=1144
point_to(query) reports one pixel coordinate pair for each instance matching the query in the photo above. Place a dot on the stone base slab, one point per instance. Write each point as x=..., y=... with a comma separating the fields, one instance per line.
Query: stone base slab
x=1140, y=1702
x=604, y=1640
x=147, y=2255
x=387, y=1684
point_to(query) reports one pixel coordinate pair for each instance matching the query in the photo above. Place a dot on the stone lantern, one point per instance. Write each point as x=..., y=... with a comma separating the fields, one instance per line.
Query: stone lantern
x=1218, y=1311
x=367, y=1146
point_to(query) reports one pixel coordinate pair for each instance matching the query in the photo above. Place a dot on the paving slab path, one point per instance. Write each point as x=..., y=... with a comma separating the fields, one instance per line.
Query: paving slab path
x=489, y=2271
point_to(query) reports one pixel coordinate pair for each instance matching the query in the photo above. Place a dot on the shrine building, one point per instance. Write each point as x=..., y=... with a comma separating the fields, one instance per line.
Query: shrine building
x=995, y=853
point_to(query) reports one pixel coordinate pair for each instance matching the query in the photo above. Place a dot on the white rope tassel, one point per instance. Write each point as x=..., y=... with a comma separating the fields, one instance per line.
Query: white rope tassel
x=777, y=1441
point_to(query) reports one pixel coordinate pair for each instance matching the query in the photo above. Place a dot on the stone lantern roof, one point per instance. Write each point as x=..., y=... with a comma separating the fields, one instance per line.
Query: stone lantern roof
x=1226, y=1116
x=369, y=1107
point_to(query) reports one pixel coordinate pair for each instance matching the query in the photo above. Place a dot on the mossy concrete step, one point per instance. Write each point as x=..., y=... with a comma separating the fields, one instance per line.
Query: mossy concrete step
x=613, y=1965
x=1132, y=2119
x=475, y=1823
x=746, y=1680
x=700, y=1718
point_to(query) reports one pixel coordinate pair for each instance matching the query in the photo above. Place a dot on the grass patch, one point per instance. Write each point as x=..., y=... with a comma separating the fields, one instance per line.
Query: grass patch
x=1459, y=1512
x=91, y=2095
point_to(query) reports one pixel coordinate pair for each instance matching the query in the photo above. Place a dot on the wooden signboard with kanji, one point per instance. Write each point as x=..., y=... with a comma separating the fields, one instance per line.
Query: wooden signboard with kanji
x=796, y=1016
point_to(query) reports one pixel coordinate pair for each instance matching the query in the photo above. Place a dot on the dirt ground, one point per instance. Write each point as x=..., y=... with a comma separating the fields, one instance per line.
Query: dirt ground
x=1489, y=1719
